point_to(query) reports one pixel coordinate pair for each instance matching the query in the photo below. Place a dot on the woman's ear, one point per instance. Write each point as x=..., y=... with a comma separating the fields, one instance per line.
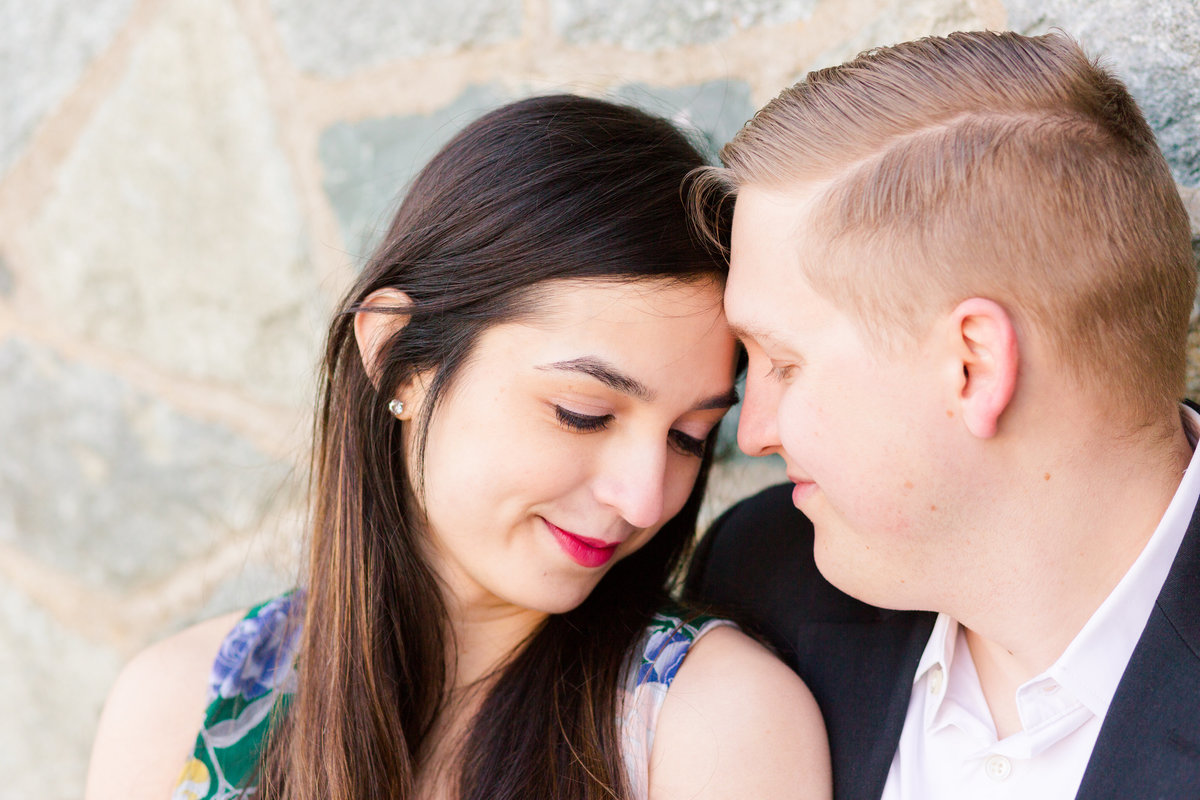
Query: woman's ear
x=379, y=317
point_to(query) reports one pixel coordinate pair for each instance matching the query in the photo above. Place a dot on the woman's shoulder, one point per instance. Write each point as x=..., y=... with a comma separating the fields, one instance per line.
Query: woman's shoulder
x=669, y=637
x=737, y=722
x=157, y=704
x=257, y=655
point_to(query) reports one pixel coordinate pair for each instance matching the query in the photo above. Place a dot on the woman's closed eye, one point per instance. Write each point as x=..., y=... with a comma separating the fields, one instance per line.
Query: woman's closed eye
x=583, y=423
x=683, y=443
x=687, y=445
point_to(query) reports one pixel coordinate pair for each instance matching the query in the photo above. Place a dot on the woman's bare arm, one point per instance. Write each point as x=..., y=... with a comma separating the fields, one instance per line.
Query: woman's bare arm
x=152, y=715
x=738, y=723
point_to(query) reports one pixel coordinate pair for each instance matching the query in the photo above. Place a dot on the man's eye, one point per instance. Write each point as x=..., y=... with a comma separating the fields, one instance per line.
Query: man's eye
x=781, y=373
x=582, y=423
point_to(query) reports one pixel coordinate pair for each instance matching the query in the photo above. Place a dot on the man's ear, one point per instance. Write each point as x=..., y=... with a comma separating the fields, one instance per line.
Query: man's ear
x=379, y=317
x=986, y=342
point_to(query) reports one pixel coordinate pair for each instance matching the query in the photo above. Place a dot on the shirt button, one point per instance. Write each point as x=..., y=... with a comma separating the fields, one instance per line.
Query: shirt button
x=997, y=768
x=935, y=680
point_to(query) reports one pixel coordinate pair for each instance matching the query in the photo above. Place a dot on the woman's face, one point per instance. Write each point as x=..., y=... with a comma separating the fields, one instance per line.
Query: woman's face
x=569, y=439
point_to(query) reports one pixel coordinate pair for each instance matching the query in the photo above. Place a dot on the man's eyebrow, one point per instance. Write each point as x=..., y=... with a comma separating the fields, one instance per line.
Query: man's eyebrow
x=743, y=334
x=760, y=336
x=605, y=373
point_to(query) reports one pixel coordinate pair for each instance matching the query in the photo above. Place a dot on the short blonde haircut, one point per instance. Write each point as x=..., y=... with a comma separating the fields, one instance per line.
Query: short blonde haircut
x=994, y=165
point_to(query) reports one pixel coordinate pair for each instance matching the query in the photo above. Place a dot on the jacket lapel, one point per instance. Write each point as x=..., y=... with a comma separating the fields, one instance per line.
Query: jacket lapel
x=866, y=682
x=1149, y=745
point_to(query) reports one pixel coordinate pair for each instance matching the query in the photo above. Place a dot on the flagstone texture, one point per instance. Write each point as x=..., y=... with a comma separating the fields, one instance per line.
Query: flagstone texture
x=334, y=38
x=173, y=231
x=187, y=186
x=659, y=24
x=45, y=48
x=1154, y=47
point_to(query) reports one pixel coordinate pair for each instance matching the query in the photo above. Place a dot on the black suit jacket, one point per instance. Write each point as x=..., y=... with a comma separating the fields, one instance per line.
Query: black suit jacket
x=859, y=661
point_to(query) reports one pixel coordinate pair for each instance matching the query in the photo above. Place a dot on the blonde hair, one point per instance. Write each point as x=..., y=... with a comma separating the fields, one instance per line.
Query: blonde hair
x=986, y=164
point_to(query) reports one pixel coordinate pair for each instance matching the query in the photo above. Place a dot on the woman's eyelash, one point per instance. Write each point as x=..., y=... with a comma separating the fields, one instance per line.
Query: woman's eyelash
x=584, y=423
x=688, y=445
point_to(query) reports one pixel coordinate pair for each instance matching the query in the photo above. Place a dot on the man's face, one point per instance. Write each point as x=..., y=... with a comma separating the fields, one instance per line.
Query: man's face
x=866, y=434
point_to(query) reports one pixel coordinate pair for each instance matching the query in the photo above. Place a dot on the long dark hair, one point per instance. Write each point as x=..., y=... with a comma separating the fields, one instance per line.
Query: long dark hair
x=545, y=189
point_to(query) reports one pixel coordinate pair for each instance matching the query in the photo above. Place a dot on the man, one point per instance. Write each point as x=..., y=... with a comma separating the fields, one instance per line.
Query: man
x=963, y=275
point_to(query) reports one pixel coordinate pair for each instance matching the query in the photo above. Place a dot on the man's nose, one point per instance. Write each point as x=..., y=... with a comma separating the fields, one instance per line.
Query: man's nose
x=758, y=429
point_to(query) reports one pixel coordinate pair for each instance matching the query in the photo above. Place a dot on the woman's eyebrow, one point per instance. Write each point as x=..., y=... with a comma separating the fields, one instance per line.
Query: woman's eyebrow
x=606, y=373
x=612, y=377
x=719, y=402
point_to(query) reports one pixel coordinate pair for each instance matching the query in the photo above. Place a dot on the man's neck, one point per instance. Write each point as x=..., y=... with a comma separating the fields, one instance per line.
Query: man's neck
x=1000, y=675
x=1058, y=568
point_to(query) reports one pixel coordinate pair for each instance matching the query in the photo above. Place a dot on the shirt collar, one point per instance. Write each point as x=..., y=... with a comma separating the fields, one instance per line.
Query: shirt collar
x=939, y=650
x=935, y=664
x=1094, y=661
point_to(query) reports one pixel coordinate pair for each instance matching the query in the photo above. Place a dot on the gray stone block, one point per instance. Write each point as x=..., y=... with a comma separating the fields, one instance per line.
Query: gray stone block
x=55, y=681
x=45, y=47
x=658, y=24
x=901, y=21
x=710, y=113
x=111, y=485
x=1154, y=46
x=333, y=38
x=6, y=278
x=255, y=581
x=368, y=165
x=174, y=229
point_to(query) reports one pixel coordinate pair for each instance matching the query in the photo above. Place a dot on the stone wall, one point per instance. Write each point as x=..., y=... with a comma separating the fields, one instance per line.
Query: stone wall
x=187, y=185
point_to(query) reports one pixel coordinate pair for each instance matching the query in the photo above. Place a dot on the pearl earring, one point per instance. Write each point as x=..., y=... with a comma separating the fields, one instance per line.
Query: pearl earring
x=396, y=406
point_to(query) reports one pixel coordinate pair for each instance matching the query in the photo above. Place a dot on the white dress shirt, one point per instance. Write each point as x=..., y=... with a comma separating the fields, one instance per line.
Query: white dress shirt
x=949, y=749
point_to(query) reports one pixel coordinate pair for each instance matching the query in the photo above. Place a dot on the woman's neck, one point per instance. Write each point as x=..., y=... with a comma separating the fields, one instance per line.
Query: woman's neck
x=485, y=633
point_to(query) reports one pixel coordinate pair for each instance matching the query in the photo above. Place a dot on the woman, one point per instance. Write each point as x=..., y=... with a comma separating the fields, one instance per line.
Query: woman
x=519, y=403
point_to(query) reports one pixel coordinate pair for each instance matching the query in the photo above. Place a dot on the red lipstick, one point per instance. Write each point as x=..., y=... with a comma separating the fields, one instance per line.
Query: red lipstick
x=583, y=550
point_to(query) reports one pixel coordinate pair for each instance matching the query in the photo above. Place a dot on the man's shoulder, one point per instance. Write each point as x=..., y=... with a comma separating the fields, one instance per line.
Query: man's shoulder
x=756, y=563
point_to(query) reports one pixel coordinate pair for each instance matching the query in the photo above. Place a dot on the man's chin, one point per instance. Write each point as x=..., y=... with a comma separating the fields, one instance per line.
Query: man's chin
x=860, y=574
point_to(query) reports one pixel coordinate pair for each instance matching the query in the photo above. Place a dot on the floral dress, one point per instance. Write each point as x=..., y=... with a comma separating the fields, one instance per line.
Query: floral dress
x=254, y=677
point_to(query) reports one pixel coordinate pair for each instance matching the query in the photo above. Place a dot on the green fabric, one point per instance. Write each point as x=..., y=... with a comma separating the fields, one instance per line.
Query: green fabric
x=248, y=689
x=254, y=676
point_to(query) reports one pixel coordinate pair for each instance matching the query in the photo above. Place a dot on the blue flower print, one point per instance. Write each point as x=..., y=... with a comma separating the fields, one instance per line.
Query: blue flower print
x=665, y=651
x=257, y=656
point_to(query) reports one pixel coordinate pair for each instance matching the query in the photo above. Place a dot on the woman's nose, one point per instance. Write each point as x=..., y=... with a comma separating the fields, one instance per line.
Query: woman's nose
x=633, y=482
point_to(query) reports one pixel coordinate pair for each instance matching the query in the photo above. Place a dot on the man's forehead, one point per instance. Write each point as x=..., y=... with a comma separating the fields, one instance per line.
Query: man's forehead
x=791, y=203
x=772, y=228
x=757, y=312
x=766, y=259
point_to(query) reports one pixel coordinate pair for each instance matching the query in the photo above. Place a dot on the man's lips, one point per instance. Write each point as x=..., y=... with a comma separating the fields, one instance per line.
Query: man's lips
x=583, y=550
x=803, y=489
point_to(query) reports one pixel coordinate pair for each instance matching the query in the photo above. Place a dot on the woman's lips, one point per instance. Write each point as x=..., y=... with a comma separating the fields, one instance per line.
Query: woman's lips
x=583, y=550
